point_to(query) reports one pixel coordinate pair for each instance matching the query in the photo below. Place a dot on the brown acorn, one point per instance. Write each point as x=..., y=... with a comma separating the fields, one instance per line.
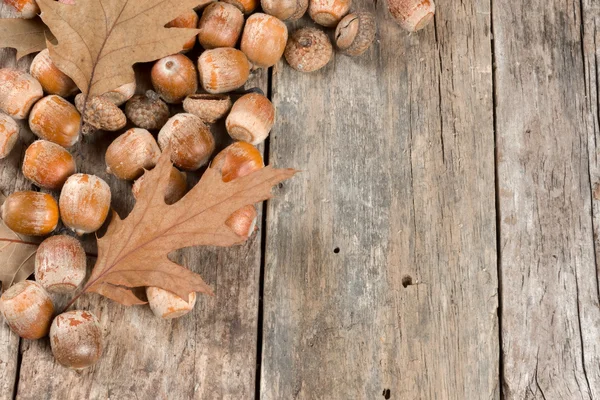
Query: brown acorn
x=28, y=309
x=55, y=119
x=131, y=153
x=308, y=50
x=264, y=39
x=48, y=165
x=190, y=140
x=30, y=213
x=223, y=70
x=174, y=77
x=52, y=79
x=176, y=187
x=355, y=33
x=76, y=339
x=186, y=20
x=412, y=15
x=168, y=305
x=147, y=111
x=9, y=134
x=329, y=12
x=285, y=10
x=209, y=107
x=251, y=118
x=18, y=92
x=84, y=203
x=237, y=160
x=25, y=9
x=220, y=26
x=121, y=94
x=245, y=6
x=243, y=221
x=60, y=264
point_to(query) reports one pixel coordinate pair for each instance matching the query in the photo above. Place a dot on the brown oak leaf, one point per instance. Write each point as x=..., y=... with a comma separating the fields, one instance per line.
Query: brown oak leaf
x=17, y=255
x=100, y=40
x=133, y=252
x=26, y=35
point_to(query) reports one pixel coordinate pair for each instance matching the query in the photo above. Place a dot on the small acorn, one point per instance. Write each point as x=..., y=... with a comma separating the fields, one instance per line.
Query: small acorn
x=52, y=79
x=18, y=92
x=412, y=15
x=60, y=264
x=84, y=203
x=9, y=134
x=176, y=187
x=191, y=141
x=329, y=13
x=209, y=107
x=308, y=50
x=100, y=113
x=48, y=165
x=245, y=6
x=285, y=10
x=55, y=119
x=355, y=33
x=147, y=111
x=237, y=160
x=220, y=26
x=251, y=118
x=186, y=20
x=25, y=9
x=30, y=213
x=130, y=153
x=76, y=339
x=174, y=77
x=223, y=70
x=264, y=39
x=168, y=305
x=28, y=309
x=243, y=221
x=121, y=94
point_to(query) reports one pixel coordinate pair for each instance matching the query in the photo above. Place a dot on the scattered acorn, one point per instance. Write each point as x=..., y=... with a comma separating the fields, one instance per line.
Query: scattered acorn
x=25, y=9
x=168, y=305
x=48, y=165
x=18, y=92
x=30, y=213
x=209, y=107
x=9, y=134
x=243, y=221
x=412, y=15
x=55, y=119
x=60, y=264
x=191, y=142
x=251, y=118
x=308, y=50
x=264, y=39
x=52, y=79
x=174, y=77
x=176, y=187
x=355, y=33
x=186, y=20
x=84, y=203
x=28, y=309
x=223, y=70
x=220, y=26
x=121, y=94
x=131, y=153
x=245, y=6
x=237, y=160
x=329, y=13
x=285, y=10
x=76, y=339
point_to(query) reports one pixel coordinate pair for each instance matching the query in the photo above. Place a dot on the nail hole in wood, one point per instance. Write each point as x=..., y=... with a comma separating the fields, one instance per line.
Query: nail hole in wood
x=336, y=250
x=407, y=281
x=387, y=394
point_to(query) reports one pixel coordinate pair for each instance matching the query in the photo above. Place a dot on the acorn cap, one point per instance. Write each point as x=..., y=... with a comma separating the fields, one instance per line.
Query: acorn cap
x=308, y=50
x=147, y=111
x=101, y=113
x=355, y=33
x=209, y=107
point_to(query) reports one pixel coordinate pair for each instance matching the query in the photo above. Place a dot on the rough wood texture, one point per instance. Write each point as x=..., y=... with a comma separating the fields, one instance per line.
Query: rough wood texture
x=380, y=275
x=210, y=353
x=547, y=131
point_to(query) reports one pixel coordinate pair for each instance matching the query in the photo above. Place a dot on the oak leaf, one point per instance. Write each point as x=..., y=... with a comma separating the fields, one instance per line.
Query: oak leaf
x=133, y=252
x=17, y=255
x=100, y=40
x=26, y=35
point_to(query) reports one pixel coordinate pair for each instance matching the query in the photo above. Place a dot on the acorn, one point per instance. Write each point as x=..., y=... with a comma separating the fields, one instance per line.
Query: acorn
x=28, y=309
x=245, y=6
x=209, y=107
x=355, y=33
x=174, y=77
x=147, y=111
x=131, y=153
x=176, y=187
x=9, y=134
x=308, y=50
x=264, y=39
x=285, y=10
x=243, y=221
x=84, y=203
x=237, y=160
x=100, y=113
x=186, y=20
x=52, y=79
x=121, y=94
x=412, y=15
x=190, y=140
x=55, y=119
x=220, y=26
x=25, y=9
x=48, y=165
x=30, y=213
x=329, y=13
x=18, y=92
x=60, y=264
x=76, y=339
x=223, y=70
x=251, y=118
x=168, y=305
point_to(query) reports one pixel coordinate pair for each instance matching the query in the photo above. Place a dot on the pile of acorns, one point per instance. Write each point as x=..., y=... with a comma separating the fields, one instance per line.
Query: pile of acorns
x=84, y=202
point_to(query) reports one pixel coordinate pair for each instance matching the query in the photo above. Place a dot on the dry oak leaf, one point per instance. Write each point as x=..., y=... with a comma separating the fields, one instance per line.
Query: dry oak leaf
x=26, y=35
x=17, y=255
x=133, y=252
x=100, y=40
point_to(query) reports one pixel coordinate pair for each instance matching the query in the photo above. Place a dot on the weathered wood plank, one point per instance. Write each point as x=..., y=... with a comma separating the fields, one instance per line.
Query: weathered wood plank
x=210, y=353
x=381, y=270
x=547, y=132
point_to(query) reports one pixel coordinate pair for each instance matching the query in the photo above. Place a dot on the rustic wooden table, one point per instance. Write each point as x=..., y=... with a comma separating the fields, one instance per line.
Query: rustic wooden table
x=440, y=242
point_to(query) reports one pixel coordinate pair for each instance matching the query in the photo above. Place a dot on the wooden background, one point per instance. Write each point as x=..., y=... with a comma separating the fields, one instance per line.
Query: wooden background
x=440, y=243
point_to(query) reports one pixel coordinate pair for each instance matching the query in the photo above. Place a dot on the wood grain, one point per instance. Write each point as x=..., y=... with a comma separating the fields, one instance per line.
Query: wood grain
x=380, y=275
x=546, y=137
